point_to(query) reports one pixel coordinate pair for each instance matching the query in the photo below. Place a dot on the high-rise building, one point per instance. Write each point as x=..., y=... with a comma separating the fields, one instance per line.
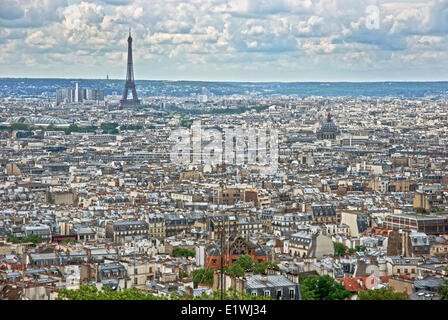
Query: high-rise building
x=66, y=95
x=76, y=92
x=94, y=94
x=78, y=95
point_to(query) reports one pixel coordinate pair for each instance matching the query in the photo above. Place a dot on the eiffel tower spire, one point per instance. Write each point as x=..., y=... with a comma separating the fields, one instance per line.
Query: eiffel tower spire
x=130, y=84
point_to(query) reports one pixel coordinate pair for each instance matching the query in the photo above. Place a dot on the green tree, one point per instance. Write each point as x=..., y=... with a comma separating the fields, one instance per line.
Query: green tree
x=110, y=128
x=322, y=288
x=126, y=127
x=230, y=294
x=20, y=127
x=204, y=276
x=261, y=267
x=339, y=249
x=90, y=292
x=71, y=128
x=68, y=240
x=13, y=239
x=246, y=262
x=182, y=252
x=421, y=210
x=32, y=238
x=381, y=294
x=444, y=289
x=357, y=249
x=236, y=270
x=186, y=121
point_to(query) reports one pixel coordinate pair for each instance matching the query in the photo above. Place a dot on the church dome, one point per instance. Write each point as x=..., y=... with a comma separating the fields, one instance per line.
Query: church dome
x=328, y=129
x=329, y=126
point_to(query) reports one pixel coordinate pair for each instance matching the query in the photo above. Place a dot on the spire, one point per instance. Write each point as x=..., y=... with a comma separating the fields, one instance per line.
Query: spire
x=329, y=117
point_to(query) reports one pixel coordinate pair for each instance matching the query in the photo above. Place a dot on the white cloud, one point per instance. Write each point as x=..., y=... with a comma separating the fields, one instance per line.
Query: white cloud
x=222, y=35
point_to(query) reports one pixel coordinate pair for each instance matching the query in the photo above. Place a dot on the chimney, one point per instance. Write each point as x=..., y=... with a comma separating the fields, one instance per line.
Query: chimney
x=405, y=243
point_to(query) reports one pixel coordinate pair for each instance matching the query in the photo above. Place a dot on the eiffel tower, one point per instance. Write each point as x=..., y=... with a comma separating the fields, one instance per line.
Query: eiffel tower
x=130, y=84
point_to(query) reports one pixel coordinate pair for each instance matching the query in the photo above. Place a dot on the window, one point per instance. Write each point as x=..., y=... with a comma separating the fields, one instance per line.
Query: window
x=279, y=294
x=291, y=293
x=267, y=293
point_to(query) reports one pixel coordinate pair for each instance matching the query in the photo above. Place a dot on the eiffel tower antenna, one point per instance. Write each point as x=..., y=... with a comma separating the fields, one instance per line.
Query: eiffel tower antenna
x=130, y=84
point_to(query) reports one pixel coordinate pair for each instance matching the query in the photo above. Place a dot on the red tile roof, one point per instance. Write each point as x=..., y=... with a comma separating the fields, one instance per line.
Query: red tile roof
x=351, y=284
x=361, y=283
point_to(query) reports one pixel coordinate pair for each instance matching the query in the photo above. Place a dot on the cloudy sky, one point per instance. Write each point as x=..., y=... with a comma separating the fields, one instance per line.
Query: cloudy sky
x=228, y=40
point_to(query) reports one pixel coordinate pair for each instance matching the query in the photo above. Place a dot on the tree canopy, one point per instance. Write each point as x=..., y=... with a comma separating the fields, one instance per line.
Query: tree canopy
x=444, y=289
x=204, y=276
x=182, y=252
x=339, y=249
x=322, y=288
x=126, y=127
x=110, y=128
x=381, y=294
x=68, y=240
x=357, y=249
x=30, y=238
x=245, y=263
x=91, y=292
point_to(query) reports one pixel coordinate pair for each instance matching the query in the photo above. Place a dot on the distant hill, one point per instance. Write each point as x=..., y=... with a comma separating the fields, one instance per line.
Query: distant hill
x=46, y=88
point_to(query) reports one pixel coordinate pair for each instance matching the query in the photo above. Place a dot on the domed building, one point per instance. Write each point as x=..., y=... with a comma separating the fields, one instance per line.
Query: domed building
x=328, y=129
x=37, y=120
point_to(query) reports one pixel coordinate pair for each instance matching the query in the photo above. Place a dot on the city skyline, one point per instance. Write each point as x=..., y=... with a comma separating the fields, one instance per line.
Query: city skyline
x=237, y=41
x=264, y=150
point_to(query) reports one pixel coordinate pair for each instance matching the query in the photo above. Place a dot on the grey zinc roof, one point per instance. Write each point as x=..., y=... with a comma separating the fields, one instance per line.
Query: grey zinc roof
x=111, y=283
x=112, y=266
x=35, y=271
x=324, y=210
x=42, y=256
x=13, y=274
x=424, y=295
x=257, y=282
x=429, y=282
x=46, y=280
x=301, y=237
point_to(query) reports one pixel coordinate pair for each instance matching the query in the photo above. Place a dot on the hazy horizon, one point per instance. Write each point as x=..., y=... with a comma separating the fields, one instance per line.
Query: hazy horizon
x=226, y=81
